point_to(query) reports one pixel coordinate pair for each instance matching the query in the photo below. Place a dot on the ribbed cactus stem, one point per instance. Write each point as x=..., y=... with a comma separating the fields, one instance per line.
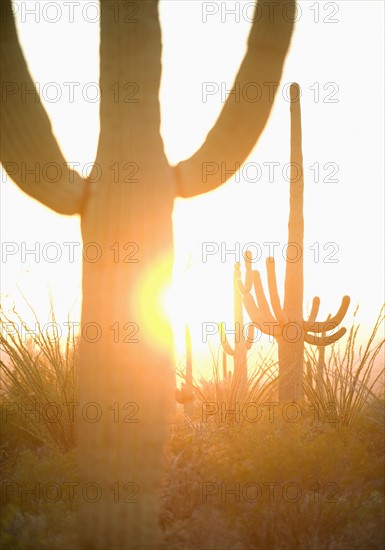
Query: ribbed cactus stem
x=293, y=300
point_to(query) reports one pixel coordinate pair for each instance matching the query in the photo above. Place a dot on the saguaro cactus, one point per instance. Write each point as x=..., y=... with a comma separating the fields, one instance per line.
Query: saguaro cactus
x=242, y=341
x=287, y=325
x=126, y=214
x=185, y=395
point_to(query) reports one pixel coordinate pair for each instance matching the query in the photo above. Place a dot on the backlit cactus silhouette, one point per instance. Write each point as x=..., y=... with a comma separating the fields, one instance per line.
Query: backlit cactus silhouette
x=321, y=365
x=242, y=341
x=185, y=395
x=126, y=214
x=287, y=324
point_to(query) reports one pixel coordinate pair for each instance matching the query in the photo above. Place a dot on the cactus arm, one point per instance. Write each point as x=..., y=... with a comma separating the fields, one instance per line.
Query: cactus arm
x=225, y=343
x=26, y=134
x=250, y=336
x=273, y=290
x=249, y=272
x=334, y=321
x=245, y=287
x=322, y=341
x=241, y=121
x=241, y=287
x=263, y=304
x=313, y=313
x=267, y=326
x=252, y=310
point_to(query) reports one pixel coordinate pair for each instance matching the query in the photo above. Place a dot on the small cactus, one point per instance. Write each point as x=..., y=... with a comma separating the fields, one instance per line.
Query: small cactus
x=185, y=395
x=242, y=344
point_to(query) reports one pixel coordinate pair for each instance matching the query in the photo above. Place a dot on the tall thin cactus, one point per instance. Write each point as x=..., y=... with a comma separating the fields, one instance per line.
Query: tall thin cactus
x=242, y=341
x=185, y=395
x=287, y=324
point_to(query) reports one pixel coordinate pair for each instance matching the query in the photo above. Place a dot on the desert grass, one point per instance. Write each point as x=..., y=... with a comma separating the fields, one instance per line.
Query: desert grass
x=227, y=392
x=39, y=379
x=346, y=384
x=271, y=482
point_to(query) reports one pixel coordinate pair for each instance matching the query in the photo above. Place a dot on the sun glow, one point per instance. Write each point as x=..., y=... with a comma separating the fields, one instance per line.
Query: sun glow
x=155, y=325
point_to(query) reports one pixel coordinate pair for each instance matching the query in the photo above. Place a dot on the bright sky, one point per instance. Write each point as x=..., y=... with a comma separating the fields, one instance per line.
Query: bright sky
x=337, y=58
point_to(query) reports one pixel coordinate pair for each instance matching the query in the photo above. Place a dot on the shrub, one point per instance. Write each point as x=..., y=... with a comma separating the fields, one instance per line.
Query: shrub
x=38, y=374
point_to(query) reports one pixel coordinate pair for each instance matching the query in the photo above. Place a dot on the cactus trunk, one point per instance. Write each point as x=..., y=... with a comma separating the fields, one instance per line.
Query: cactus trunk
x=290, y=359
x=123, y=367
x=291, y=344
x=240, y=350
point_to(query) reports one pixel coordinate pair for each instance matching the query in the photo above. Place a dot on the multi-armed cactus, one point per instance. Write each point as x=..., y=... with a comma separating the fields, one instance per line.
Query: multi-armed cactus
x=287, y=324
x=242, y=341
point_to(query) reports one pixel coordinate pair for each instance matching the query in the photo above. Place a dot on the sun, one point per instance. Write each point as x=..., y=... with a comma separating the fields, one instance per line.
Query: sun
x=158, y=304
